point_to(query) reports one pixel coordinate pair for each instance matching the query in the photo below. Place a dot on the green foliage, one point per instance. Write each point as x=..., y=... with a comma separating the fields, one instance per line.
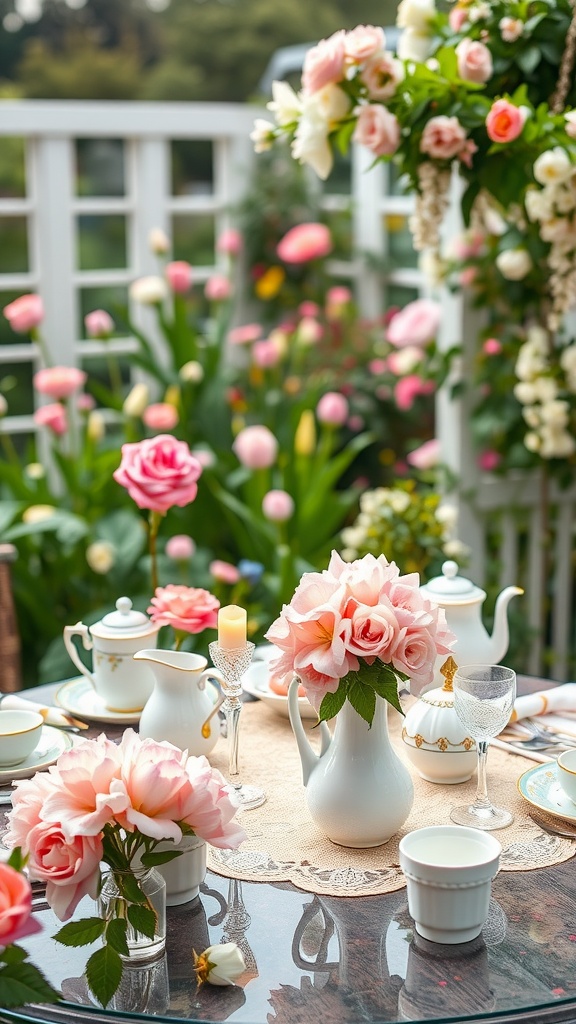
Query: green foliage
x=361, y=688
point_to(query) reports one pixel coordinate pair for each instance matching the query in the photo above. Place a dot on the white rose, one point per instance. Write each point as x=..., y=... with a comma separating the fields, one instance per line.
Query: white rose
x=262, y=135
x=479, y=13
x=191, y=372
x=545, y=389
x=136, y=400
x=511, y=29
x=148, y=290
x=525, y=393
x=514, y=264
x=310, y=145
x=403, y=360
x=555, y=413
x=221, y=964
x=413, y=45
x=285, y=104
x=537, y=203
x=101, y=556
x=415, y=14
x=532, y=441
x=158, y=242
x=553, y=166
x=570, y=118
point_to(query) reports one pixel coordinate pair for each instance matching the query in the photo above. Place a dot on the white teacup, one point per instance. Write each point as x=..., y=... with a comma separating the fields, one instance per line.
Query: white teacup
x=567, y=773
x=449, y=871
x=20, y=733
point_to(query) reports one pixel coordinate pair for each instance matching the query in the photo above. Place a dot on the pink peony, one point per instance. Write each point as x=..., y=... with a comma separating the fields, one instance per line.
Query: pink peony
x=59, y=381
x=416, y=324
x=426, y=456
x=377, y=129
x=278, y=506
x=305, y=242
x=179, y=276
x=505, y=121
x=325, y=63
x=15, y=906
x=364, y=42
x=218, y=288
x=224, y=572
x=332, y=409
x=474, y=61
x=159, y=472
x=265, y=353
x=52, y=416
x=188, y=609
x=180, y=547
x=98, y=324
x=245, y=334
x=443, y=137
x=80, y=798
x=229, y=242
x=25, y=313
x=160, y=416
x=255, y=447
x=210, y=810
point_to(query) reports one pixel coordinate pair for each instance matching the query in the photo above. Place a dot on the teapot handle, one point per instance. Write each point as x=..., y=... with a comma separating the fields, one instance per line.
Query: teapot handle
x=79, y=630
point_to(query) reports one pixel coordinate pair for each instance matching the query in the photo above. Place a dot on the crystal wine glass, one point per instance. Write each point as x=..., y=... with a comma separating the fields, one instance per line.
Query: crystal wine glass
x=233, y=663
x=483, y=700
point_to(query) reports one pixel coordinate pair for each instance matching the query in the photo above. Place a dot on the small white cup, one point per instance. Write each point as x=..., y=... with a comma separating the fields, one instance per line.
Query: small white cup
x=449, y=871
x=567, y=773
x=19, y=736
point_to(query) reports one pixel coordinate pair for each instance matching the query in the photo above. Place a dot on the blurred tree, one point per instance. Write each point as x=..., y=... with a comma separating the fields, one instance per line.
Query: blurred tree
x=80, y=69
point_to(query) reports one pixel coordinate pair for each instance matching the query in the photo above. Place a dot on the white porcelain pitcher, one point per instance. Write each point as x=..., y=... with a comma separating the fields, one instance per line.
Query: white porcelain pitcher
x=182, y=708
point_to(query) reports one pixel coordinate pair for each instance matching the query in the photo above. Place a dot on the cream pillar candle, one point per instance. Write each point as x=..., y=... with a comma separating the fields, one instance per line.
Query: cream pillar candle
x=232, y=627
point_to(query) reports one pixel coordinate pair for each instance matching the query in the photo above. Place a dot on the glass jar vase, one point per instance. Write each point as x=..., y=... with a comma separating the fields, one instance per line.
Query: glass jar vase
x=126, y=894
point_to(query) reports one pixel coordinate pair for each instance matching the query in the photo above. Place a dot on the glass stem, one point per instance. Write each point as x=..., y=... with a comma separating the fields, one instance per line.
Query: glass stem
x=482, y=788
x=232, y=706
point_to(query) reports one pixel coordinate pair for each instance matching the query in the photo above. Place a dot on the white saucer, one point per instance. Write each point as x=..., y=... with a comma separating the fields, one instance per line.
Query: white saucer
x=540, y=787
x=79, y=698
x=53, y=742
x=255, y=682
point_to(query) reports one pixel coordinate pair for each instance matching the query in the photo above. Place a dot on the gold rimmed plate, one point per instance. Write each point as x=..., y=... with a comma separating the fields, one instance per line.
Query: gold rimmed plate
x=540, y=787
x=79, y=698
x=52, y=743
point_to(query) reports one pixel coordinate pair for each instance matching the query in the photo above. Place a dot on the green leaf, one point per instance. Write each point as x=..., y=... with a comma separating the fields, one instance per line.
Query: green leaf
x=142, y=920
x=129, y=887
x=13, y=955
x=333, y=702
x=116, y=935
x=386, y=685
x=23, y=983
x=81, y=933
x=362, y=698
x=16, y=859
x=103, y=973
x=529, y=59
x=151, y=860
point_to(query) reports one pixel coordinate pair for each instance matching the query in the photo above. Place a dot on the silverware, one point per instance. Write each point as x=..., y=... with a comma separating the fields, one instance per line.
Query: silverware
x=563, y=829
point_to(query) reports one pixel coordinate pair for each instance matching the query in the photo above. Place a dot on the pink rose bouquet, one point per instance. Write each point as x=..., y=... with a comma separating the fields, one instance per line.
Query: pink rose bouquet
x=353, y=630
x=16, y=974
x=103, y=803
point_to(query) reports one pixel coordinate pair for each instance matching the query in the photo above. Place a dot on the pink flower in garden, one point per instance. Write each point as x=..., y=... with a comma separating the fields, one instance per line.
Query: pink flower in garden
x=218, y=288
x=377, y=129
x=337, y=298
x=382, y=75
x=159, y=472
x=179, y=276
x=160, y=416
x=224, y=572
x=324, y=63
x=416, y=324
x=85, y=402
x=467, y=276
x=310, y=331
x=443, y=137
x=189, y=609
x=363, y=42
x=265, y=353
x=52, y=416
x=404, y=360
x=245, y=334
x=180, y=547
x=15, y=906
x=229, y=242
x=98, y=324
x=355, y=423
x=505, y=121
x=489, y=460
x=278, y=506
x=492, y=347
x=59, y=381
x=309, y=309
x=25, y=313
x=377, y=366
x=305, y=242
x=426, y=456
x=474, y=61
x=469, y=245
x=332, y=409
x=457, y=17
x=408, y=388
x=255, y=447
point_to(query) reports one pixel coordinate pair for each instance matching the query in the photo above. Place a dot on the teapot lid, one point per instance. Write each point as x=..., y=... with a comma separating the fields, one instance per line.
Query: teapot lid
x=450, y=588
x=124, y=620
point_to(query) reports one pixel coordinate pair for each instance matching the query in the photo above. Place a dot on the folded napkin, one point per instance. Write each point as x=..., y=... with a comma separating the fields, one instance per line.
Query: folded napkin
x=559, y=698
x=51, y=715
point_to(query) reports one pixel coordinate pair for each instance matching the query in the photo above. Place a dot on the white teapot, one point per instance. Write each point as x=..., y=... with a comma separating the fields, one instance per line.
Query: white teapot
x=462, y=602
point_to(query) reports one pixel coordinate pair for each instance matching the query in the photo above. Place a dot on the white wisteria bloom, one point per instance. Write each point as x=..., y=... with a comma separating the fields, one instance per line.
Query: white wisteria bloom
x=553, y=166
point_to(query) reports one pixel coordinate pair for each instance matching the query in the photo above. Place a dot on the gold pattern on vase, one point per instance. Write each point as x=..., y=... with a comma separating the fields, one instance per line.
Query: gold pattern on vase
x=112, y=660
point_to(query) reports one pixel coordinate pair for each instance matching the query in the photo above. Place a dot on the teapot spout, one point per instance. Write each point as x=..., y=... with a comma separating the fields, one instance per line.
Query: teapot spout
x=307, y=756
x=500, y=633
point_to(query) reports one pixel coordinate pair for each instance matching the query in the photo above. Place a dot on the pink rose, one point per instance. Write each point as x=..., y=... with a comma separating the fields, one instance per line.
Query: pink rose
x=159, y=472
x=229, y=242
x=70, y=867
x=25, y=313
x=255, y=447
x=363, y=42
x=265, y=354
x=377, y=129
x=309, y=309
x=278, y=506
x=305, y=242
x=408, y=388
x=457, y=18
x=59, y=381
x=224, y=572
x=489, y=460
x=15, y=906
x=189, y=609
x=180, y=547
x=160, y=416
x=382, y=75
x=99, y=324
x=245, y=334
x=443, y=137
x=374, y=629
x=492, y=347
x=416, y=324
x=426, y=456
x=52, y=416
x=414, y=653
x=505, y=121
x=179, y=276
x=474, y=61
x=324, y=63
x=218, y=288
x=85, y=403
x=332, y=409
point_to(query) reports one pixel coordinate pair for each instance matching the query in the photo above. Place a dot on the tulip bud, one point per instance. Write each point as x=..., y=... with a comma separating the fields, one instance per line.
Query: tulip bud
x=136, y=401
x=305, y=436
x=221, y=964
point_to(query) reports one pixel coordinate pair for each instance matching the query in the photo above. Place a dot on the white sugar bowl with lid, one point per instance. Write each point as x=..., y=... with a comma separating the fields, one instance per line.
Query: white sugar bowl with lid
x=435, y=740
x=121, y=683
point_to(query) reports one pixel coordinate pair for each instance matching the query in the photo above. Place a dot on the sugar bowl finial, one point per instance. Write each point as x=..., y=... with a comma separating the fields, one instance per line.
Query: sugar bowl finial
x=448, y=670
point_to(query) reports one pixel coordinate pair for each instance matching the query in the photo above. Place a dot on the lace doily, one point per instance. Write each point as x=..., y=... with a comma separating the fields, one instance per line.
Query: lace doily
x=284, y=845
